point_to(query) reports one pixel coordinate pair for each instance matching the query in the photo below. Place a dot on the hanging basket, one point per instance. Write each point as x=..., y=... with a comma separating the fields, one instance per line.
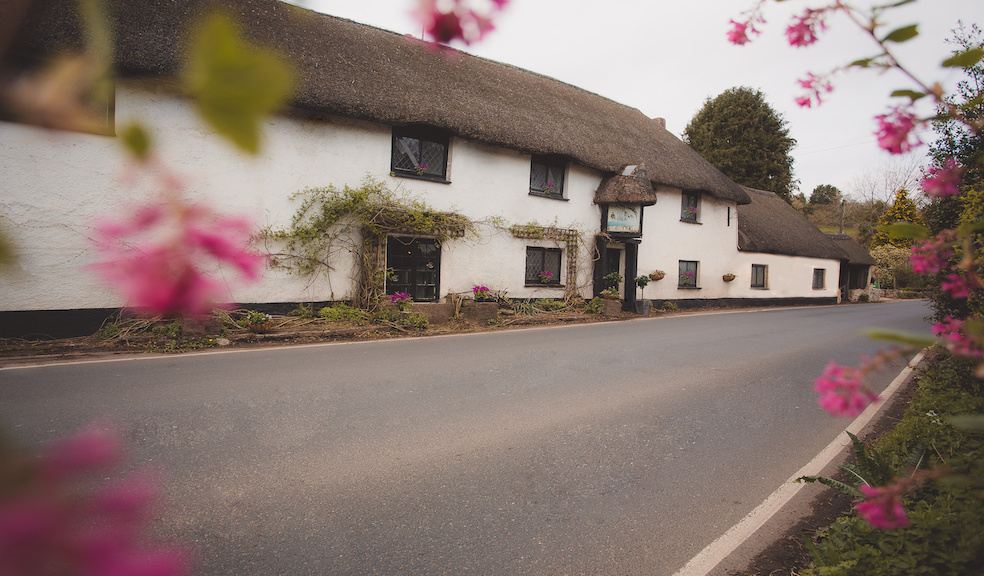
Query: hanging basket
x=728, y=277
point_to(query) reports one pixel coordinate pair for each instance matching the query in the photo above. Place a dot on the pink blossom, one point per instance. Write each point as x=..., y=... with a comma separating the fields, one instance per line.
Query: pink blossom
x=88, y=450
x=739, y=32
x=157, y=257
x=895, y=128
x=816, y=87
x=955, y=285
x=882, y=507
x=950, y=332
x=804, y=28
x=931, y=256
x=59, y=519
x=445, y=23
x=943, y=181
x=842, y=390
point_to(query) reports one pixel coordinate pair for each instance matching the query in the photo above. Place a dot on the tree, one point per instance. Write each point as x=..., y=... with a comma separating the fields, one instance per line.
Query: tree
x=744, y=137
x=825, y=194
x=890, y=263
x=903, y=209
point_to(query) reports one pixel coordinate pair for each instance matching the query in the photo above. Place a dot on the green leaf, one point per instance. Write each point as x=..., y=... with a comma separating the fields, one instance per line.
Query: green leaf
x=862, y=62
x=964, y=59
x=906, y=231
x=902, y=34
x=910, y=94
x=235, y=83
x=136, y=140
x=907, y=338
x=967, y=422
x=835, y=484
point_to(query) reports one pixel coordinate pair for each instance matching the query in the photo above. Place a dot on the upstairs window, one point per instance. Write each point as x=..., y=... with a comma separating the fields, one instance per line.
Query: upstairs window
x=688, y=274
x=420, y=153
x=819, y=278
x=547, y=176
x=690, y=207
x=542, y=265
x=760, y=275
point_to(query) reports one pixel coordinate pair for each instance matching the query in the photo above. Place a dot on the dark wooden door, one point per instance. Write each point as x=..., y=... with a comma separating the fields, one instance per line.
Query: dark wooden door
x=413, y=266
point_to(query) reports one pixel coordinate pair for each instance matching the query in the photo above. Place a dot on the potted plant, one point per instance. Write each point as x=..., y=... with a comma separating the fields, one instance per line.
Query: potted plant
x=484, y=307
x=612, y=280
x=611, y=305
x=402, y=300
x=642, y=305
x=728, y=277
x=657, y=275
x=545, y=277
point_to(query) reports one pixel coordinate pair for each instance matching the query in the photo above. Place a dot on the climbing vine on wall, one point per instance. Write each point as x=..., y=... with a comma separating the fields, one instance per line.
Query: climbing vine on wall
x=569, y=236
x=330, y=224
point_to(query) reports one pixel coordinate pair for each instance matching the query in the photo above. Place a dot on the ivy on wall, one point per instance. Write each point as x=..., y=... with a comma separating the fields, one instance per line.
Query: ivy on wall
x=569, y=236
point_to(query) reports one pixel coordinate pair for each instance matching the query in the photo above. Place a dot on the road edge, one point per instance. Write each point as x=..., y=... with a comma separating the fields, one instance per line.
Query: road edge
x=724, y=545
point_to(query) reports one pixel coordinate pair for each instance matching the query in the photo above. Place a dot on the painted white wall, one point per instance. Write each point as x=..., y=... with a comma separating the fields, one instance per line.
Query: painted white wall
x=56, y=184
x=666, y=240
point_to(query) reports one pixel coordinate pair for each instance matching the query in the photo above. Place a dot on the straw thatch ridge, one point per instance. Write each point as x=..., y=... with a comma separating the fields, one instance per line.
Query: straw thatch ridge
x=631, y=186
x=855, y=252
x=353, y=70
x=769, y=224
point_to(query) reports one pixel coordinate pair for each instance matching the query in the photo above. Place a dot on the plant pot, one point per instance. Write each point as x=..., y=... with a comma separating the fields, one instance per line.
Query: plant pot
x=479, y=312
x=728, y=277
x=611, y=307
x=642, y=307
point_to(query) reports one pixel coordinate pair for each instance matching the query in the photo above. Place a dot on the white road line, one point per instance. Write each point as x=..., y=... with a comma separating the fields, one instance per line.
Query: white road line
x=712, y=555
x=272, y=348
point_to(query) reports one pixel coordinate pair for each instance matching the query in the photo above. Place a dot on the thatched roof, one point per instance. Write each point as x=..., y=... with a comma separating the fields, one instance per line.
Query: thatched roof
x=630, y=186
x=769, y=224
x=855, y=252
x=358, y=71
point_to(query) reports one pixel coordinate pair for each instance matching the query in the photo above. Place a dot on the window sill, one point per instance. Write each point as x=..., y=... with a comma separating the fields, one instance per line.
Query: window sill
x=413, y=176
x=688, y=287
x=548, y=196
x=691, y=222
x=543, y=285
x=760, y=287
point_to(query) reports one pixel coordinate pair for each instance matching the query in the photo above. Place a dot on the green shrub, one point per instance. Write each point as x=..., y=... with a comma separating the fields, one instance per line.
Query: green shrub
x=343, y=313
x=863, y=297
x=593, y=306
x=255, y=321
x=302, y=311
x=668, y=307
x=946, y=535
x=393, y=316
x=550, y=305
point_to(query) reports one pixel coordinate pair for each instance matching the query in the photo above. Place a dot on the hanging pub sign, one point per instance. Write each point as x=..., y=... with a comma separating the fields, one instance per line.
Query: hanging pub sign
x=624, y=219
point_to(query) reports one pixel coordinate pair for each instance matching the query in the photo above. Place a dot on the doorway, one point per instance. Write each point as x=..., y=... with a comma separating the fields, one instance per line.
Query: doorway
x=413, y=266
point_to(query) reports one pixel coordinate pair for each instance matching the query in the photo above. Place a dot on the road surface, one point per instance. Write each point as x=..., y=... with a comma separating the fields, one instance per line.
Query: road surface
x=614, y=448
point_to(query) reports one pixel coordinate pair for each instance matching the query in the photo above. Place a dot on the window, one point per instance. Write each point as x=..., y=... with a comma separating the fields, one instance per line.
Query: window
x=547, y=176
x=688, y=274
x=413, y=266
x=819, y=278
x=729, y=216
x=420, y=153
x=690, y=207
x=760, y=273
x=542, y=265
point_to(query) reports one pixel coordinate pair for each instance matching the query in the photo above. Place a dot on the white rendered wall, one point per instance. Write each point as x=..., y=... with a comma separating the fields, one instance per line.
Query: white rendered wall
x=714, y=244
x=56, y=184
x=666, y=240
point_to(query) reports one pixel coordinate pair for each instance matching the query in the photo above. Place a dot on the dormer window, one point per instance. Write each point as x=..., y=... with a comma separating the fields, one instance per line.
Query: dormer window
x=547, y=176
x=690, y=207
x=420, y=152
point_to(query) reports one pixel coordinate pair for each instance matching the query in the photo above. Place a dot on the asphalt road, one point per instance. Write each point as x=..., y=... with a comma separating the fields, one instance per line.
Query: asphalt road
x=616, y=448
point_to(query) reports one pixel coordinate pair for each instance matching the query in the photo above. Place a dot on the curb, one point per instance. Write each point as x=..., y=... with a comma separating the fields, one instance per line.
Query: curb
x=717, y=551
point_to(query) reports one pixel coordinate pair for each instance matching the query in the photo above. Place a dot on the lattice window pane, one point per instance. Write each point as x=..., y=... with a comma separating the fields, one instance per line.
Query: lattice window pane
x=551, y=263
x=547, y=176
x=688, y=274
x=819, y=278
x=538, y=176
x=420, y=156
x=534, y=264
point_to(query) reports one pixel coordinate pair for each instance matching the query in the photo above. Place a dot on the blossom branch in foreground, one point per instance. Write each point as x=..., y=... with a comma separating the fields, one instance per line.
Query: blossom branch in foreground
x=445, y=22
x=842, y=389
x=56, y=518
x=157, y=256
x=882, y=506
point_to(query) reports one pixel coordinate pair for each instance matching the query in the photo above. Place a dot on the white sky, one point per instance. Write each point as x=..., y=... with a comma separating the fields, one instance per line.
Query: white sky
x=666, y=57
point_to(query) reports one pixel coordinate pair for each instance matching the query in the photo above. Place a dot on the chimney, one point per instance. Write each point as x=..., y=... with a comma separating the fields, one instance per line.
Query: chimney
x=661, y=122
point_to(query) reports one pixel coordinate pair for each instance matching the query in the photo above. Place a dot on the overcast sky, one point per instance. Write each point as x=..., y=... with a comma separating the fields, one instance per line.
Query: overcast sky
x=666, y=57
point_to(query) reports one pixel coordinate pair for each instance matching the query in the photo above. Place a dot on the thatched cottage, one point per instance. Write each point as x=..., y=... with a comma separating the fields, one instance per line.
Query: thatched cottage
x=569, y=176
